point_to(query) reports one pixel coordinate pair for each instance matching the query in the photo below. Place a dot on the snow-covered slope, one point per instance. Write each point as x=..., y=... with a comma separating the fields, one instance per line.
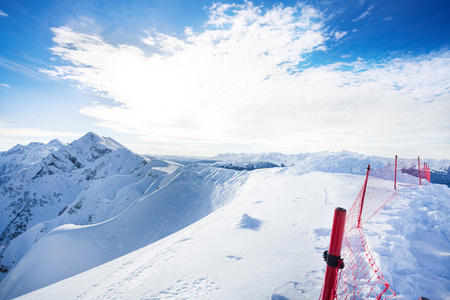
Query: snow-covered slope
x=180, y=199
x=141, y=227
x=267, y=243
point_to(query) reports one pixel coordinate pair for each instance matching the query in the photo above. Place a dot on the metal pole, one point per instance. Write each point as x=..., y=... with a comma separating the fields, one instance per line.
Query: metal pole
x=333, y=257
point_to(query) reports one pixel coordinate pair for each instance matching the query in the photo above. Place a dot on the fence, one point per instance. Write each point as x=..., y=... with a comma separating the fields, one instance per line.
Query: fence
x=361, y=278
x=413, y=172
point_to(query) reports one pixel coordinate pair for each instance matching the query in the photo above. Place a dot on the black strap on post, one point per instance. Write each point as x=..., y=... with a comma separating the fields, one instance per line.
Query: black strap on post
x=333, y=261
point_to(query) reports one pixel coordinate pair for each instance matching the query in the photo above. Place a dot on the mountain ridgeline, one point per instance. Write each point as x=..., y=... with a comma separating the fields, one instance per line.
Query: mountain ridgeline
x=41, y=182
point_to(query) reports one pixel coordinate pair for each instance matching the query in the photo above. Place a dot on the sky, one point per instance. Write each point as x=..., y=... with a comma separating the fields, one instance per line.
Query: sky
x=201, y=78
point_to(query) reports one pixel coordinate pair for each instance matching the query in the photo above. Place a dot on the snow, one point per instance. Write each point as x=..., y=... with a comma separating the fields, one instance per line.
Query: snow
x=265, y=243
x=220, y=257
x=200, y=231
x=23, y=156
x=87, y=181
x=153, y=217
x=249, y=222
x=415, y=248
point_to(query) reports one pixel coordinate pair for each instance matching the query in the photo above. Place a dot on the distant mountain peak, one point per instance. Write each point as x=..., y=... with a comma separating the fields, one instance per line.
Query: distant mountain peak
x=92, y=135
x=92, y=139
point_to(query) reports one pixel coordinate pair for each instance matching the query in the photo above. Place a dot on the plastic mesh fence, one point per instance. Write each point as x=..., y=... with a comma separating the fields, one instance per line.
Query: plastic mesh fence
x=361, y=278
x=408, y=172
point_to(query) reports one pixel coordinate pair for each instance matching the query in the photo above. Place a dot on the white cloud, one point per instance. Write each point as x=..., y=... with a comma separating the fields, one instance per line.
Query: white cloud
x=237, y=83
x=3, y=14
x=5, y=85
x=364, y=14
x=165, y=42
x=339, y=34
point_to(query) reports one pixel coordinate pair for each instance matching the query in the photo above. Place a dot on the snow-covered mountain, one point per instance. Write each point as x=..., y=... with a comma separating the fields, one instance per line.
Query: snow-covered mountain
x=235, y=226
x=44, y=186
x=330, y=162
x=21, y=156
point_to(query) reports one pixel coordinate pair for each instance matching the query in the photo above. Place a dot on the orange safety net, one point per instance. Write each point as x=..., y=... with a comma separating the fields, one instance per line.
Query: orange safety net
x=361, y=278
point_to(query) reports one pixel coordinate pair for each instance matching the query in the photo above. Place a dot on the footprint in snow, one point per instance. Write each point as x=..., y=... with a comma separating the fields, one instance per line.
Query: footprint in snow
x=322, y=232
x=234, y=257
x=184, y=240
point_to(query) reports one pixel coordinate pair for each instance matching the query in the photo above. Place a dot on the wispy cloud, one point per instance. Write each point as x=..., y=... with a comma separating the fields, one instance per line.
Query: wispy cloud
x=24, y=65
x=5, y=85
x=364, y=14
x=3, y=14
x=238, y=82
x=340, y=34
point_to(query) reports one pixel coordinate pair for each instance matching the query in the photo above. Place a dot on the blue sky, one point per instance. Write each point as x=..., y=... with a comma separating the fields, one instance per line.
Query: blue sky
x=201, y=78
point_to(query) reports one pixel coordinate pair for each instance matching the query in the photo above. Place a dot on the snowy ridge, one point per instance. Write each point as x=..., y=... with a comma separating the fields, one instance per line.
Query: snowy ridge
x=330, y=162
x=335, y=162
x=137, y=227
x=249, y=166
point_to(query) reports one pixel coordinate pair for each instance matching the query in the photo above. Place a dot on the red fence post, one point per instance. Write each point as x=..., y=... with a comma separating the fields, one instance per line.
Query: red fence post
x=363, y=196
x=395, y=174
x=423, y=171
x=333, y=255
x=426, y=172
x=418, y=161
